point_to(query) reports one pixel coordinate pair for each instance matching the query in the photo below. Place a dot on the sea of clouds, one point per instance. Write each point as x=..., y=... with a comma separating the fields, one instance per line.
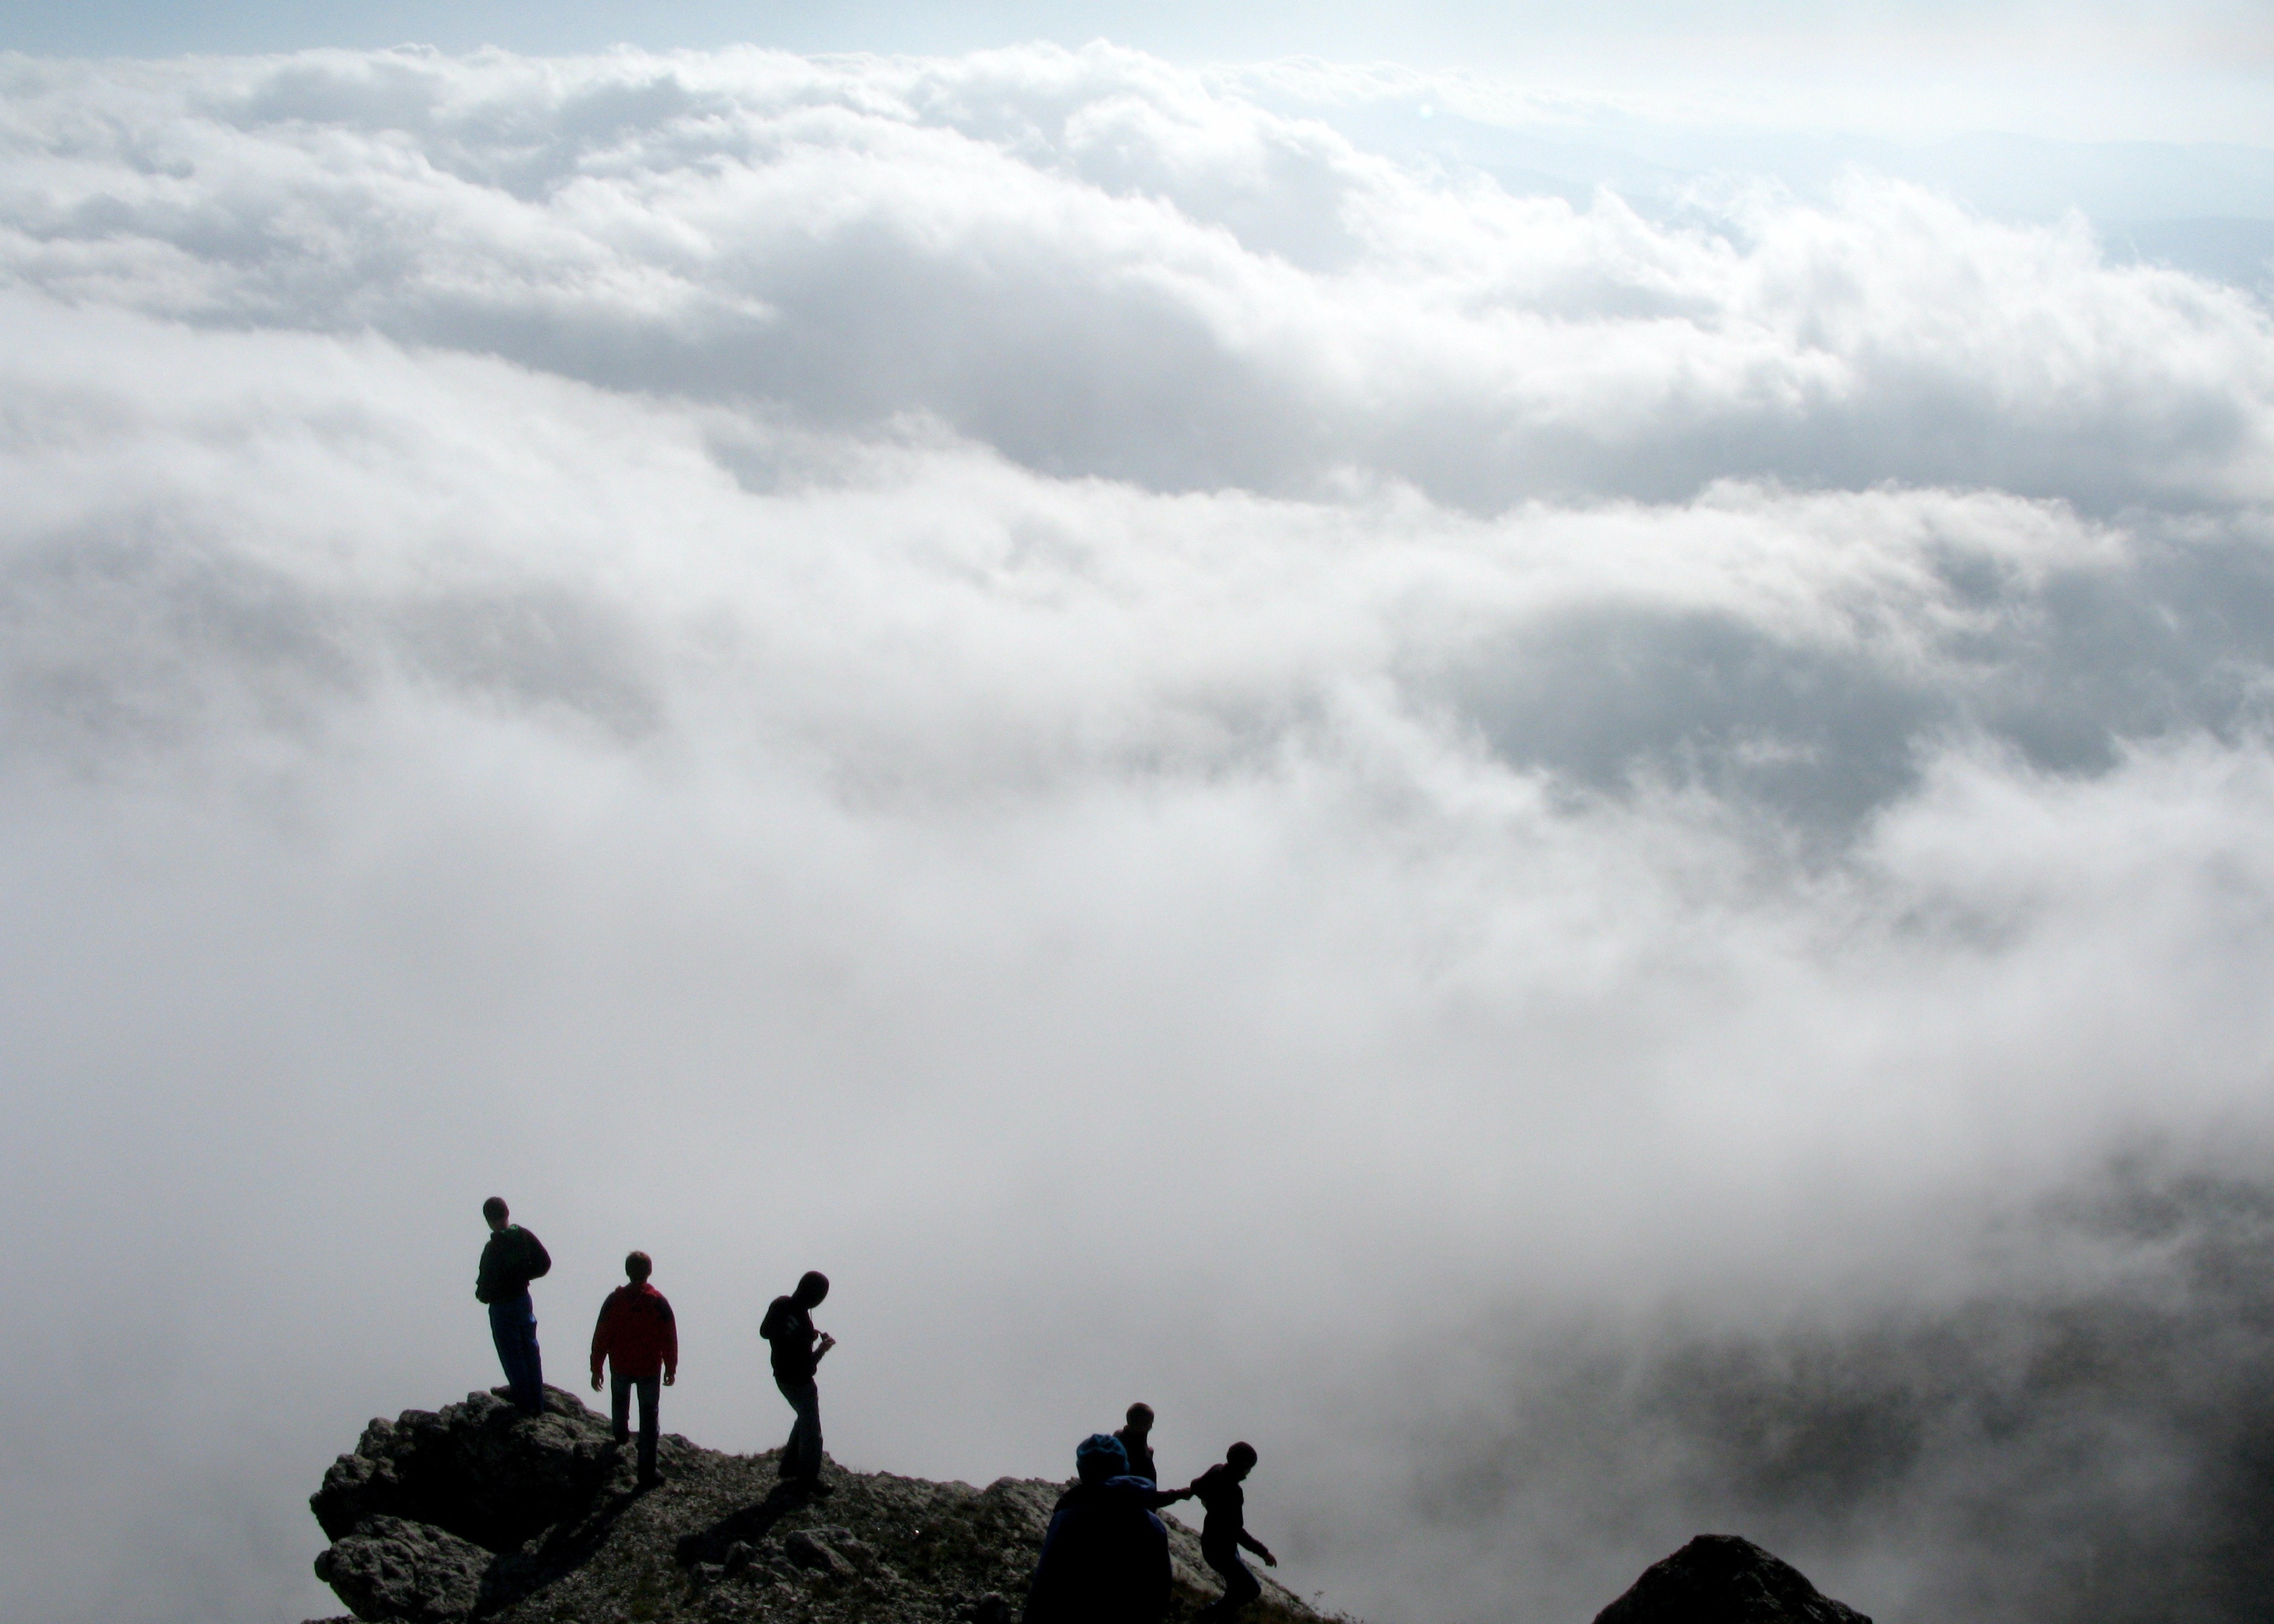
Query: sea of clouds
x=1597, y=872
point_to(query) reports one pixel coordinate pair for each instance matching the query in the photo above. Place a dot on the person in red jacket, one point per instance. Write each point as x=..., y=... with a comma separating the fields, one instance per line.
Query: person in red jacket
x=638, y=1339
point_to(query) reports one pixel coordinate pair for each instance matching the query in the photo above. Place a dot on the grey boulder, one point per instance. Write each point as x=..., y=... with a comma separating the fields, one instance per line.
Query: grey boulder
x=481, y=1470
x=393, y=1568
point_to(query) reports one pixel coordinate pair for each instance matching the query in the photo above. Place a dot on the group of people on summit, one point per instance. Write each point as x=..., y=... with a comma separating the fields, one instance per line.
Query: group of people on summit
x=1105, y=1555
x=638, y=1339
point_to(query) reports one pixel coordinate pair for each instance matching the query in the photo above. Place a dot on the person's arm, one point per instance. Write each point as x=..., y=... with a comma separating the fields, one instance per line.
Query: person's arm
x=670, y=1346
x=1154, y=1498
x=822, y=1347
x=600, y=1339
x=1257, y=1545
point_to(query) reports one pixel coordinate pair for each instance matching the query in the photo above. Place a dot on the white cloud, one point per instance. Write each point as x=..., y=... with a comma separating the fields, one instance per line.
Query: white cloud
x=1188, y=292
x=1159, y=740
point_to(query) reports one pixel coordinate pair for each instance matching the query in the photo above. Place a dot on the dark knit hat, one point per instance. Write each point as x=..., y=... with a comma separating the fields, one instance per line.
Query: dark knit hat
x=1100, y=1456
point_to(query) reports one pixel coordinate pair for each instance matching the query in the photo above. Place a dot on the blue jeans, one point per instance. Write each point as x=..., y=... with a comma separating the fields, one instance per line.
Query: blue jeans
x=513, y=1328
x=801, y=1459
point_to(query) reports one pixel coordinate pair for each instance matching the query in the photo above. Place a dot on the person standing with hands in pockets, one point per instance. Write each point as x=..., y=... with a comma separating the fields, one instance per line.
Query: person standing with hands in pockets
x=510, y=1259
x=797, y=1350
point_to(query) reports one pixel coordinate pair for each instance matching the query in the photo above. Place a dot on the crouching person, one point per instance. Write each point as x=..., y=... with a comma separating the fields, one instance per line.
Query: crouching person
x=1105, y=1559
x=637, y=1338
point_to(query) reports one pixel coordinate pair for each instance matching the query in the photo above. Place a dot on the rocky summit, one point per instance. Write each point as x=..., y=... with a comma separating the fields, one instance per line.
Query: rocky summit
x=1721, y=1579
x=475, y=1511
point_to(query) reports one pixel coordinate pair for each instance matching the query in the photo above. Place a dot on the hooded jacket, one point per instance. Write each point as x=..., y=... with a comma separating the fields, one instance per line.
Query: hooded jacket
x=1105, y=1559
x=638, y=1332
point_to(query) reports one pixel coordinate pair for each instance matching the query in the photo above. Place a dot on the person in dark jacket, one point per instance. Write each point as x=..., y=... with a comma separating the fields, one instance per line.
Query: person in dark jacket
x=1225, y=1531
x=638, y=1339
x=1105, y=1557
x=511, y=1260
x=797, y=1350
x=1137, y=1442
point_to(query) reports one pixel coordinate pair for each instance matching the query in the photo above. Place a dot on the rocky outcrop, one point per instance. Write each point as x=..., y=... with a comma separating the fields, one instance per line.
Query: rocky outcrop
x=1721, y=1579
x=477, y=1512
x=481, y=1470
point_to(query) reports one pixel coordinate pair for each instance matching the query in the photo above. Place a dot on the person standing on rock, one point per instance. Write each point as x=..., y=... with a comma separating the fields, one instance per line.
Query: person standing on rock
x=638, y=1339
x=797, y=1350
x=1105, y=1557
x=1225, y=1531
x=512, y=1258
x=1137, y=1442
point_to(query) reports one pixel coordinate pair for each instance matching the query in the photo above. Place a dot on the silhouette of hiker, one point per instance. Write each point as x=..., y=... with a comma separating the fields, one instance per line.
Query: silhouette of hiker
x=1105, y=1559
x=1225, y=1531
x=1136, y=1442
x=788, y=1330
x=512, y=1258
x=638, y=1337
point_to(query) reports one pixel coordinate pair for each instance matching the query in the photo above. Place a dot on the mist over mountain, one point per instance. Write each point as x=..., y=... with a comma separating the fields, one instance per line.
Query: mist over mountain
x=2081, y=1433
x=1549, y=851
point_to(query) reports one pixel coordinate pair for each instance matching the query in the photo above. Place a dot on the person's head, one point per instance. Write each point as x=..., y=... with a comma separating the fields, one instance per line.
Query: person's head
x=1241, y=1459
x=494, y=1211
x=637, y=1266
x=1140, y=1418
x=812, y=1285
x=1100, y=1456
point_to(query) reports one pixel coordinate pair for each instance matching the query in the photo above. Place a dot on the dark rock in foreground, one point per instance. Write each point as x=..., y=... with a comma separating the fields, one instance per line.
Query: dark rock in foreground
x=1721, y=1579
x=474, y=1511
x=477, y=1512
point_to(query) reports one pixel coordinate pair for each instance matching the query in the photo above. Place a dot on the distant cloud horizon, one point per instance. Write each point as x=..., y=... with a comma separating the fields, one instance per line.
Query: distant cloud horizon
x=2193, y=70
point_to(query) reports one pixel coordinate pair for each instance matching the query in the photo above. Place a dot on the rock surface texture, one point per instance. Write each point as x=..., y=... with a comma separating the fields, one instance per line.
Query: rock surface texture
x=1721, y=1579
x=474, y=1511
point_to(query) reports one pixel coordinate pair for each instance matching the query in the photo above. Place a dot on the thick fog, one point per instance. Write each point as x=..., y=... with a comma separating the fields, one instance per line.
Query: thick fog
x=1597, y=868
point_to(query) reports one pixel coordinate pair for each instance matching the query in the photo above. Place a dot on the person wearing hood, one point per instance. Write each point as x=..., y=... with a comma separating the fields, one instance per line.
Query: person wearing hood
x=511, y=1259
x=797, y=1350
x=637, y=1338
x=1105, y=1557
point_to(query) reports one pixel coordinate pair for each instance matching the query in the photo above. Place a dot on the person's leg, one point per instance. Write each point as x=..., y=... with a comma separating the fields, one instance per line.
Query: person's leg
x=514, y=1329
x=508, y=1340
x=620, y=1402
x=789, y=1391
x=807, y=1450
x=802, y=1455
x=513, y=1326
x=1239, y=1585
x=651, y=1390
x=535, y=1402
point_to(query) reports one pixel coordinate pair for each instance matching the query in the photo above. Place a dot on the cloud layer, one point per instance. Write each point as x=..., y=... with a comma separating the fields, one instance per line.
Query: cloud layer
x=1210, y=763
